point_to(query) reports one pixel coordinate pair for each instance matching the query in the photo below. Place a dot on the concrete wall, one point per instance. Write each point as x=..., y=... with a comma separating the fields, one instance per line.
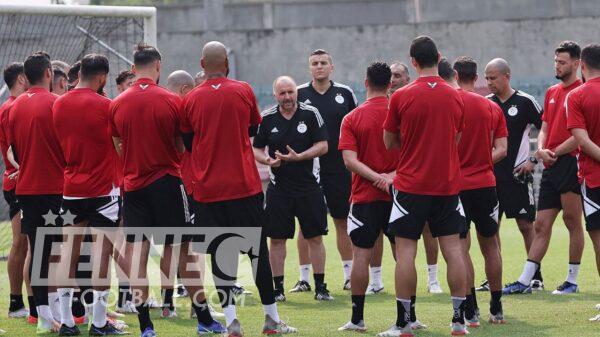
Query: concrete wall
x=270, y=38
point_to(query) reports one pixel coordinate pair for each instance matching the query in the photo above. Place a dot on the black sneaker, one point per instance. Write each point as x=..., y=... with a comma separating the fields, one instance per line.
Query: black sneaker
x=301, y=286
x=322, y=294
x=237, y=290
x=107, y=330
x=279, y=295
x=69, y=331
x=537, y=285
x=485, y=286
x=347, y=285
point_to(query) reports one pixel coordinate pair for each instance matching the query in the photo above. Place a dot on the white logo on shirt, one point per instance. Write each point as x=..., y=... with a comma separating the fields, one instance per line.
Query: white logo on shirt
x=30, y=94
x=301, y=127
x=143, y=86
x=274, y=130
x=552, y=101
x=432, y=85
x=307, y=101
x=339, y=98
x=216, y=87
x=512, y=111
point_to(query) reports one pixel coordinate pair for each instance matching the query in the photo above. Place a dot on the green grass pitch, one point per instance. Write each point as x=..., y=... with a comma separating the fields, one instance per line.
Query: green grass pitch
x=539, y=314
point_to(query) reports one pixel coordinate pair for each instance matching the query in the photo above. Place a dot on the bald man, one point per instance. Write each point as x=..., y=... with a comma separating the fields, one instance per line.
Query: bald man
x=295, y=135
x=400, y=76
x=180, y=82
x=514, y=173
x=228, y=193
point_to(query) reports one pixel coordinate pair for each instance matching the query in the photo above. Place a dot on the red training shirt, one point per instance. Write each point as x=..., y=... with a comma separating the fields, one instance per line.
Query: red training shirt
x=81, y=119
x=35, y=143
x=484, y=122
x=219, y=113
x=362, y=132
x=7, y=184
x=583, y=112
x=555, y=115
x=147, y=117
x=427, y=114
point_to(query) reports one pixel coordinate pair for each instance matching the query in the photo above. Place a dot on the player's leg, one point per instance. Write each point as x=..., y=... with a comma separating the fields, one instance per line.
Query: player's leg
x=572, y=210
x=303, y=283
x=470, y=306
x=168, y=269
x=431, y=255
x=16, y=261
x=33, y=315
x=137, y=252
x=124, y=304
x=277, y=255
x=375, y=276
x=344, y=247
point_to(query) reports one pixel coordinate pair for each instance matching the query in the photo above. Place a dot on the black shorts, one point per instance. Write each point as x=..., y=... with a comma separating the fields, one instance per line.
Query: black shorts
x=281, y=209
x=410, y=212
x=516, y=200
x=99, y=211
x=13, y=203
x=336, y=188
x=39, y=211
x=163, y=203
x=481, y=207
x=591, y=207
x=367, y=221
x=558, y=179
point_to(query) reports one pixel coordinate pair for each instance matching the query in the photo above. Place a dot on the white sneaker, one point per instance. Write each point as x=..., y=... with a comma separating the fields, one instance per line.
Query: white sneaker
x=168, y=313
x=416, y=325
x=127, y=308
x=360, y=327
x=595, y=318
x=434, y=288
x=21, y=313
x=215, y=314
x=152, y=303
x=598, y=307
x=396, y=331
x=373, y=290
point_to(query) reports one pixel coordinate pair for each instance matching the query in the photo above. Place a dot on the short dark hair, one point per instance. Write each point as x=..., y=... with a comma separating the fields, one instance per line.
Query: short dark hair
x=445, y=70
x=35, y=66
x=12, y=72
x=379, y=75
x=424, y=51
x=94, y=64
x=58, y=73
x=590, y=55
x=321, y=52
x=74, y=72
x=145, y=54
x=124, y=76
x=570, y=47
x=466, y=68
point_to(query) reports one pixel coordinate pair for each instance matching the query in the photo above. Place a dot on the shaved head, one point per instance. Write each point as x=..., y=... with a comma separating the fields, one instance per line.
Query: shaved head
x=499, y=65
x=283, y=80
x=214, y=56
x=180, y=82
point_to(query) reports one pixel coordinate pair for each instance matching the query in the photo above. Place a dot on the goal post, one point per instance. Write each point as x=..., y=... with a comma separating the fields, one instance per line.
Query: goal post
x=68, y=32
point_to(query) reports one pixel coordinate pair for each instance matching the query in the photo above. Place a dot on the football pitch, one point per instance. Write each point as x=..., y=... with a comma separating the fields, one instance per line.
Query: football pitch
x=539, y=314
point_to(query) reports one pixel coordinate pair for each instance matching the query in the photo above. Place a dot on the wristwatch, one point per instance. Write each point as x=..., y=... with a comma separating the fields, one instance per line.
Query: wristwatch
x=533, y=160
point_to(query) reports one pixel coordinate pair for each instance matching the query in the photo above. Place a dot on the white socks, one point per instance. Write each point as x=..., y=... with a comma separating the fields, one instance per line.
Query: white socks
x=347, y=265
x=65, y=298
x=375, y=275
x=528, y=272
x=54, y=304
x=99, y=308
x=432, y=271
x=573, y=273
x=305, y=273
x=271, y=310
x=45, y=313
x=230, y=315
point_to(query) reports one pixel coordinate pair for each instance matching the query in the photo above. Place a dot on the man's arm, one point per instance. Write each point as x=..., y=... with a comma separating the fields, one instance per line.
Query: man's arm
x=316, y=150
x=11, y=157
x=179, y=144
x=586, y=144
x=499, y=149
x=356, y=166
x=118, y=145
x=261, y=156
x=391, y=140
x=567, y=146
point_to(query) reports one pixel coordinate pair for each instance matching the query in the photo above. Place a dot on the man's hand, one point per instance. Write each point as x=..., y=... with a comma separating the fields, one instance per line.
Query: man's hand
x=14, y=176
x=384, y=181
x=273, y=162
x=291, y=156
x=545, y=155
x=526, y=167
